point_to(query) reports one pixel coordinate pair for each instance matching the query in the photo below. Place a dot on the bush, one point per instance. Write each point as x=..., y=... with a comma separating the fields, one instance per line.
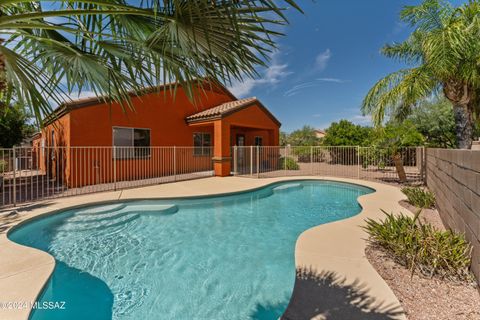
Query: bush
x=288, y=164
x=308, y=154
x=419, y=197
x=421, y=247
x=3, y=165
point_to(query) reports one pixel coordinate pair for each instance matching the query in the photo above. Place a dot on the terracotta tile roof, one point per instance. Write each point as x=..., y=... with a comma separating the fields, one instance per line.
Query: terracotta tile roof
x=223, y=109
x=67, y=106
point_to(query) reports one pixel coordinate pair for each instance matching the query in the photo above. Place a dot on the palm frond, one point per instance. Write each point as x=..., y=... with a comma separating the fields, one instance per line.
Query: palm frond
x=112, y=47
x=398, y=92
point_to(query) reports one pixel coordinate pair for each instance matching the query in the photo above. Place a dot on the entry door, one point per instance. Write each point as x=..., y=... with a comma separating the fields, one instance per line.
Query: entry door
x=240, y=140
x=240, y=152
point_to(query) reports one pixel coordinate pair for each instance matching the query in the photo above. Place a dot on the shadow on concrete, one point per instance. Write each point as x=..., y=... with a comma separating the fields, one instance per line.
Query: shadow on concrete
x=12, y=215
x=326, y=296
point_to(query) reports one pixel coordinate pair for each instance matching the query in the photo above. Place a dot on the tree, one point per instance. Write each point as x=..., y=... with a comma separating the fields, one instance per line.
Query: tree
x=345, y=133
x=435, y=121
x=14, y=126
x=283, y=138
x=303, y=137
x=114, y=47
x=443, y=54
x=392, y=138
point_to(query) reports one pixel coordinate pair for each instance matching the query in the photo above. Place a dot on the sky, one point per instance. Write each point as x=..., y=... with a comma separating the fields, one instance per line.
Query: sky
x=328, y=60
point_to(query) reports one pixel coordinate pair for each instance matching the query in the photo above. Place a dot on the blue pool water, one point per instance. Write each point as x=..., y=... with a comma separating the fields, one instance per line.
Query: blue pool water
x=229, y=257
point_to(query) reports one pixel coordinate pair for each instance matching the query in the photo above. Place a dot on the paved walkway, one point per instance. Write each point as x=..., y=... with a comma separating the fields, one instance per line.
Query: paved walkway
x=334, y=279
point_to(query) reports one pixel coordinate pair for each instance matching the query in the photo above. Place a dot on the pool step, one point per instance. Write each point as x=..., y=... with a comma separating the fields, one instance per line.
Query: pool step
x=100, y=224
x=288, y=187
x=103, y=209
x=91, y=218
x=162, y=209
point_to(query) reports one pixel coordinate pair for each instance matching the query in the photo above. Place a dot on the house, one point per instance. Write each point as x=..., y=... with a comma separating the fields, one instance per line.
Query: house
x=212, y=125
x=319, y=133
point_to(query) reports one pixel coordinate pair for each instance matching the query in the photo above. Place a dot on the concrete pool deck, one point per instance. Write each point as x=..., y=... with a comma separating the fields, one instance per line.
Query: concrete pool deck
x=334, y=281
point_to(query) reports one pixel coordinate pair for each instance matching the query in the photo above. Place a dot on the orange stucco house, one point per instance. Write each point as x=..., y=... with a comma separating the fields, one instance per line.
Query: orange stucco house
x=216, y=119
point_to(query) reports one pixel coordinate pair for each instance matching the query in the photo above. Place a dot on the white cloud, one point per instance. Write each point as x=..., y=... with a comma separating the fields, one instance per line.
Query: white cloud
x=315, y=83
x=272, y=75
x=322, y=59
x=362, y=120
x=336, y=80
x=72, y=96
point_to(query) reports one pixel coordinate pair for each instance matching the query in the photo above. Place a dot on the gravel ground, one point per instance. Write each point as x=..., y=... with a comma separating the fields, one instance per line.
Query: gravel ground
x=424, y=298
x=428, y=215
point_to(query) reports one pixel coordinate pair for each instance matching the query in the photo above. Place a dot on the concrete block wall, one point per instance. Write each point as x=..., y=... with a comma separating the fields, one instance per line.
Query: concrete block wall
x=454, y=177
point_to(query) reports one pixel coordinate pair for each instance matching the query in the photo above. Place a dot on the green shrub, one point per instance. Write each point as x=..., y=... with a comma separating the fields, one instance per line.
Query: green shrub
x=288, y=164
x=419, y=197
x=3, y=165
x=308, y=154
x=421, y=247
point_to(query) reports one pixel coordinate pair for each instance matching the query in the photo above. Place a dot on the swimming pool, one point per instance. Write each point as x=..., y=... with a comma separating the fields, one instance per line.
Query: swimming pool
x=229, y=257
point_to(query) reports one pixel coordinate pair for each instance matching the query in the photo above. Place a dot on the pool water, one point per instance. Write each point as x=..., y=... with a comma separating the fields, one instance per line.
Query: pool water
x=229, y=257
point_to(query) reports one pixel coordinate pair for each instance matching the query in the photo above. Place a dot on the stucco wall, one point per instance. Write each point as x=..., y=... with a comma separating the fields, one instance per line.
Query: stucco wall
x=454, y=177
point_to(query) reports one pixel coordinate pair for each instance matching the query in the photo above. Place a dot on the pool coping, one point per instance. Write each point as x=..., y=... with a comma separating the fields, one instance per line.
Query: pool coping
x=337, y=247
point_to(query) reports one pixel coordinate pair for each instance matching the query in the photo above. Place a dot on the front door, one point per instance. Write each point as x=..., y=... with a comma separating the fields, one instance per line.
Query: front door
x=240, y=140
x=240, y=143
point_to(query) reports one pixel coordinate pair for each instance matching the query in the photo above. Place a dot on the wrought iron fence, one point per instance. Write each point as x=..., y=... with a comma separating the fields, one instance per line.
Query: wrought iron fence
x=368, y=163
x=37, y=173
x=30, y=174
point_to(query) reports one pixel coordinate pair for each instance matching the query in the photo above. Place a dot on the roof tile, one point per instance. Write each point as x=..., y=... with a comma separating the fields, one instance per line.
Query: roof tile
x=221, y=109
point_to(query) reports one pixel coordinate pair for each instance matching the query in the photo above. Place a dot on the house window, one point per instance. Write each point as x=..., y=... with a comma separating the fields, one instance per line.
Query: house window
x=52, y=150
x=202, y=141
x=258, y=141
x=131, y=142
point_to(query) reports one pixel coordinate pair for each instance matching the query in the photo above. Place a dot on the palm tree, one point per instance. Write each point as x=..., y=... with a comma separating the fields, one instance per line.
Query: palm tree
x=51, y=48
x=443, y=53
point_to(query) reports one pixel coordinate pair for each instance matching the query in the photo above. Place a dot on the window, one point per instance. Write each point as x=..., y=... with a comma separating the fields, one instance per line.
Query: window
x=52, y=144
x=132, y=143
x=202, y=142
x=258, y=141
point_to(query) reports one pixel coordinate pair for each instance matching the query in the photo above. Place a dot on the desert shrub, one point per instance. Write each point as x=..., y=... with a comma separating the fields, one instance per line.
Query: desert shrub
x=420, y=198
x=308, y=154
x=421, y=247
x=288, y=164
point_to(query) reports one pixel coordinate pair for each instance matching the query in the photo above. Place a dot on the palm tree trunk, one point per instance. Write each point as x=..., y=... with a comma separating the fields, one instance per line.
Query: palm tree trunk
x=463, y=125
x=397, y=160
x=461, y=95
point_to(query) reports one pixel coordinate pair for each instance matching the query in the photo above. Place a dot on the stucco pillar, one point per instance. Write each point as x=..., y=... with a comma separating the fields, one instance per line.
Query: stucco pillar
x=221, y=149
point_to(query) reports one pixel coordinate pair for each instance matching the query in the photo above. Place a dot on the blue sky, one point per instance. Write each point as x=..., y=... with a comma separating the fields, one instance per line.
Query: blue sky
x=327, y=61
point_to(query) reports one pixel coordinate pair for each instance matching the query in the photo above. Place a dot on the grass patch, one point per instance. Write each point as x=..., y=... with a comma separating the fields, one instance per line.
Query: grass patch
x=420, y=198
x=420, y=247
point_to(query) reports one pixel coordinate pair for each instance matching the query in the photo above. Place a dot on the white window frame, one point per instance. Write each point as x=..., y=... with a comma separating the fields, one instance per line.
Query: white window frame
x=121, y=154
x=204, y=151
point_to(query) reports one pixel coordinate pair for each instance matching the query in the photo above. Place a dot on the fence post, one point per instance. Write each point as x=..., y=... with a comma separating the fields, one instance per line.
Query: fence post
x=251, y=160
x=285, y=161
x=423, y=166
x=114, y=168
x=258, y=161
x=174, y=163
x=358, y=162
x=311, y=160
x=14, y=177
x=235, y=164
